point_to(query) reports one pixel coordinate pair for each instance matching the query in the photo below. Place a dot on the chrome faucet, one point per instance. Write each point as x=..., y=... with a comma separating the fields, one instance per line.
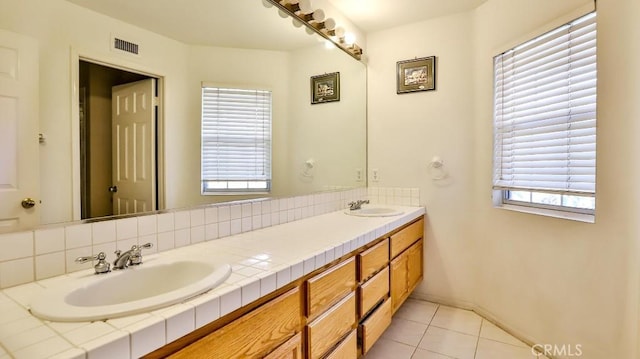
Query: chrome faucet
x=131, y=257
x=357, y=204
x=101, y=267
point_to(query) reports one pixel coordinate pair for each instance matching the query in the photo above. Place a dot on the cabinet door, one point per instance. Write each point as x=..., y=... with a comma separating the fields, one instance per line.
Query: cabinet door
x=399, y=287
x=253, y=335
x=406, y=273
x=292, y=349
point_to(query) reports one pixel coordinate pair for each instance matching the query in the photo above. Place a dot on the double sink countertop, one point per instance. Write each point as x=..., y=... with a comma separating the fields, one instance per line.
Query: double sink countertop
x=262, y=261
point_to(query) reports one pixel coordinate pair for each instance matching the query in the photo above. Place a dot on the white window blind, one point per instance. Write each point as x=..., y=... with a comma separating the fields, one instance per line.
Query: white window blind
x=545, y=112
x=236, y=140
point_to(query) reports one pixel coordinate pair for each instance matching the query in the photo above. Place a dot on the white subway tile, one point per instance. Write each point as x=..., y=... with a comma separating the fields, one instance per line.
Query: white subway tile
x=236, y=226
x=211, y=231
x=182, y=237
x=268, y=283
x=231, y=300
x=19, y=271
x=256, y=208
x=147, y=225
x=166, y=241
x=250, y=290
x=197, y=234
x=78, y=236
x=197, y=217
x=112, y=345
x=236, y=211
x=256, y=221
x=103, y=232
x=50, y=265
x=224, y=213
x=182, y=219
x=247, y=224
x=166, y=222
x=146, y=336
x=224, y=229
x=207, y=309
x=49, y=240
x=180, y=320
x=126, y=228
x=297, y=271
x=246, y=210
x=283, y=276
x=211, y=215
x=16, y=245
x=266, y=207
x=72, y=254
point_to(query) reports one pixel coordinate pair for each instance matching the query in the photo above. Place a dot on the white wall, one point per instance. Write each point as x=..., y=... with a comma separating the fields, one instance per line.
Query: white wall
x=406, y=131
x=547, y=280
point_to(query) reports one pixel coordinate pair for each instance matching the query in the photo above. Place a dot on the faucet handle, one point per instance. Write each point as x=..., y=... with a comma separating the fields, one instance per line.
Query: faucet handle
x=136, y=253
x=101, y=267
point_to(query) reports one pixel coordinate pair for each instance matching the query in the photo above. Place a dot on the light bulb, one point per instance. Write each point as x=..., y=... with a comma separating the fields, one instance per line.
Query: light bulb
x=349, y=38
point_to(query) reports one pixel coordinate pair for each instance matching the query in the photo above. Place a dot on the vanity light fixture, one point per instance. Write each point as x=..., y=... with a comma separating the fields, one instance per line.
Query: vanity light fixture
x=302, y=11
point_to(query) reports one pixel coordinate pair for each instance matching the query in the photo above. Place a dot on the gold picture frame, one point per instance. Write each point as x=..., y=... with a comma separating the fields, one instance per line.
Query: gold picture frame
x=416, y=75
x=325, y=88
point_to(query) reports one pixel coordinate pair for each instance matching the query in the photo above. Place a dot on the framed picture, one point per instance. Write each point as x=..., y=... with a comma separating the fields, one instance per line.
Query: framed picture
x=325, y=88
x=416, y=75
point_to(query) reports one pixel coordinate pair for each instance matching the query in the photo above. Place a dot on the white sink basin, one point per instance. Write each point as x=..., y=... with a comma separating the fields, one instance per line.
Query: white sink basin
x=129, y=291
x=373, y=212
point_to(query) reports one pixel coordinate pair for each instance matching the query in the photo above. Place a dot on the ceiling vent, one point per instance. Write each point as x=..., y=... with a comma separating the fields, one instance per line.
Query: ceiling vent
x=126, y=46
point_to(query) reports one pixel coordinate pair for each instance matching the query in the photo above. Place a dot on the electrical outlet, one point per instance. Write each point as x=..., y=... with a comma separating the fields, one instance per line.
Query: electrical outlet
x=358, y=174
x=375, y=176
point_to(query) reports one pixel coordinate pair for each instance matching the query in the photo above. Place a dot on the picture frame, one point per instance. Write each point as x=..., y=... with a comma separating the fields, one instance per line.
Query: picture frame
x=416, y=75
x=325, y=88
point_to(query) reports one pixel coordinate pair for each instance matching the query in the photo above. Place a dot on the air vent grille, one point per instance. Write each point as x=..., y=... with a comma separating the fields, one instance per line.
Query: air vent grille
x=125, y=46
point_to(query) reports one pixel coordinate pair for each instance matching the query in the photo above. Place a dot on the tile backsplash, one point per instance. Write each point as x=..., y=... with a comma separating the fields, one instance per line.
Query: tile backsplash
x=51, y=250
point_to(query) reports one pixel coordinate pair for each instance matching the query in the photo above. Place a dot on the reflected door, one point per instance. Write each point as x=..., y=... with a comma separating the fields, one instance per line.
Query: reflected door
x=19, y=168
x=133, y=124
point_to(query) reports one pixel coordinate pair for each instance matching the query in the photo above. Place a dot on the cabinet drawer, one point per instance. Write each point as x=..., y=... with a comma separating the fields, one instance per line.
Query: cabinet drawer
x=374, y=258
x=253, y=335
x=403, y=239
x=324, y=332
x=372, y=291
x=375, y=325
x=327, y=288
x=292, y=349
x=347, y=349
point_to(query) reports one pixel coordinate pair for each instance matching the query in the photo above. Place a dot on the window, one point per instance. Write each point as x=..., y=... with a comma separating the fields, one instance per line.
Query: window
x=545, y=120
x=236, y=140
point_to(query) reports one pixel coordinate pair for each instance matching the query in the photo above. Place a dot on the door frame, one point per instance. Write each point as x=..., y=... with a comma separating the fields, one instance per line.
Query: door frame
x=117, y=62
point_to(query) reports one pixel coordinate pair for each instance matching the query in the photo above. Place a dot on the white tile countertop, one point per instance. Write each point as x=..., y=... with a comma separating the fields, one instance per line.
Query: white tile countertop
x=262, y=261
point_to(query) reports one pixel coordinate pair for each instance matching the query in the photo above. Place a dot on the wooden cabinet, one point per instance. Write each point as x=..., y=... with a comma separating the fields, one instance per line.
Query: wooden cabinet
x=372, y=260
x=405, y=237
x=325, y=289
x=334, y=313
x=292, y=349
x=347, y=349
x=375, y=325
x=327, y=330
x=406, y=273
x=373, y=291
x=253, y=335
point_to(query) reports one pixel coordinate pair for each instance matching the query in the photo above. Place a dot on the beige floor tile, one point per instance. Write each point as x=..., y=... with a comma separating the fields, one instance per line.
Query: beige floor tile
x=448, y=342
x=491, y=331
x=490, y=349
x=386, y=349
x=460, y=320
x=417, y=310
x=405, y=331
x=425, y=354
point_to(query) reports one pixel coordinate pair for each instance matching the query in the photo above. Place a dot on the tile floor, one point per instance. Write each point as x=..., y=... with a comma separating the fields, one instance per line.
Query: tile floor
x=424, y=330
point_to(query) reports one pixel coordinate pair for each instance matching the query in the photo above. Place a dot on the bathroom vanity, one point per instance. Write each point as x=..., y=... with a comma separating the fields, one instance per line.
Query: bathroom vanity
x=337, y=311
x=325, y=286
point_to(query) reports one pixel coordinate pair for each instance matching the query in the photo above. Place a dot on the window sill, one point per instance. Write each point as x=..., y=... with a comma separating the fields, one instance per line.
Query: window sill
x=238, y=193
x=580, y=217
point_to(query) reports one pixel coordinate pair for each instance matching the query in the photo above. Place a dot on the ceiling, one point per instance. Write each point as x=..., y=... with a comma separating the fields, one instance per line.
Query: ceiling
x=376, y=15
x=250, y=24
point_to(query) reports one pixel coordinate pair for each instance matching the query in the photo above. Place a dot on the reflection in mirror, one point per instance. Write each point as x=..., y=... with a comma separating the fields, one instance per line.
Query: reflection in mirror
x=237, y=43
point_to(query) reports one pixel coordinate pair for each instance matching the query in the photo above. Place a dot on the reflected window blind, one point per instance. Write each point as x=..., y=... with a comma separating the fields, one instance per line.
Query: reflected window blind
x=236, y=140
x=545, y=112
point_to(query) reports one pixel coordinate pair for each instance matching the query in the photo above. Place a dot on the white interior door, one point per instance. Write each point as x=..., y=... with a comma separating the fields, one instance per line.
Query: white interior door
x=133, y=125
x=19, y=166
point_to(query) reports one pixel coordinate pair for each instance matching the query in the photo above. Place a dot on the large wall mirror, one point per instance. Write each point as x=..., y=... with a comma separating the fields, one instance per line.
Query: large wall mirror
x=60, y=54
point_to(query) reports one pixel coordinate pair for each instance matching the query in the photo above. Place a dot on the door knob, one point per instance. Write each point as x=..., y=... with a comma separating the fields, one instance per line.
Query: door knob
x=28, y=203
x=113, y=189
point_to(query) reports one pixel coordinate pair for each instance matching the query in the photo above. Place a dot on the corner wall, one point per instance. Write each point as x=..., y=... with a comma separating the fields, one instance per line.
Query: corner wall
x=546, y=280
